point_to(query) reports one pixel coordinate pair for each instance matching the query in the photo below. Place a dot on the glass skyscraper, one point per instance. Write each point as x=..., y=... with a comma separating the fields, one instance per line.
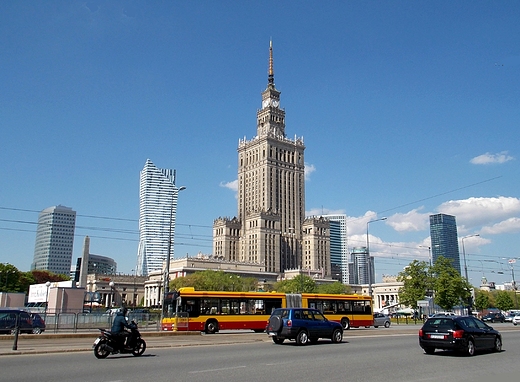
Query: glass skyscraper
x=54, y=240
x=444, y=238
x=157, y=209
x=338, y=245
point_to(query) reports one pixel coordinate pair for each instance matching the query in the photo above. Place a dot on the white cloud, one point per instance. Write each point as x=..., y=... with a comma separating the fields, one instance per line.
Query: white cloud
x=233, y=185
x=410, y=221
x=489, y=158
x=475, y=212
x=511, y=225
x=309, y=169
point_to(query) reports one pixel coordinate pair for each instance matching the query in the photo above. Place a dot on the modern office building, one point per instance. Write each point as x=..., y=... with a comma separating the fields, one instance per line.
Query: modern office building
x=269, y=226
x=158, y=196
x=444, y=238
x=54, y=240
x=360, y=266
x=339, y=258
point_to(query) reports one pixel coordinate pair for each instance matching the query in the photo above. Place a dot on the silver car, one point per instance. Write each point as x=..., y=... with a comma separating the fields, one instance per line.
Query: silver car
x=381, y=319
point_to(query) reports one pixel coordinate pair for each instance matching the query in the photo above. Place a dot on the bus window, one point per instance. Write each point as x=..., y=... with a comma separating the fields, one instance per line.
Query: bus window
x=209, y=306
x=272, y=304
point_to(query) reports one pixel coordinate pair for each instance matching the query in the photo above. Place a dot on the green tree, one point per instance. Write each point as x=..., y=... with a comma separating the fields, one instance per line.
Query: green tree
x=482, y=299
x=215, y=280
x=10, y=278
x=449, y=286
x=334, y=288
x=298, y=284
x=416, y=283
x=503, y=300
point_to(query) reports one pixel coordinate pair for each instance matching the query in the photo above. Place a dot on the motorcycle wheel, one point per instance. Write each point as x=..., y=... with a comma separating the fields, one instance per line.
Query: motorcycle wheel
x=139, y=348
x=100, y=350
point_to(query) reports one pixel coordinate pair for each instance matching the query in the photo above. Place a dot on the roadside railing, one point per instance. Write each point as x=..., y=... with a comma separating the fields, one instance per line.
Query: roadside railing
x=74, y=322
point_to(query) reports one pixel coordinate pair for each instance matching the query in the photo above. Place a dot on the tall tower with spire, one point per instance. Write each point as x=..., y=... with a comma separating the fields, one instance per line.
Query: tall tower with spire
x=268, y=229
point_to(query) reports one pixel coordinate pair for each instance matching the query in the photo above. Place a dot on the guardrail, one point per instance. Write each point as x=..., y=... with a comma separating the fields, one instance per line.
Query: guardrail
x=55, y=323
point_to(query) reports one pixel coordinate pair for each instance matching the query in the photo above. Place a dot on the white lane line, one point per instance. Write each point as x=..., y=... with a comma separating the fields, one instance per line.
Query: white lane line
x=220, y=369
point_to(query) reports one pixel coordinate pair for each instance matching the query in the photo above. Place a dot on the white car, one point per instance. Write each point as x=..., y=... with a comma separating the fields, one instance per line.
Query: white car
x=516, y=319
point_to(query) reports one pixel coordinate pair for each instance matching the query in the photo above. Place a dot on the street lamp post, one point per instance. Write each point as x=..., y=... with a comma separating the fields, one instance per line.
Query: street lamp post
x=166, y=277
x=111, y=284
x=369, y=267
x=470, y=299
x=47, y=284
x=133, y=296
x=511, y=262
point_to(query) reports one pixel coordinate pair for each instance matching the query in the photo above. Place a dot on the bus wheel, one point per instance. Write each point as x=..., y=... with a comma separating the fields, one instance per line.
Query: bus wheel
x=211, y=327
x=345, y=323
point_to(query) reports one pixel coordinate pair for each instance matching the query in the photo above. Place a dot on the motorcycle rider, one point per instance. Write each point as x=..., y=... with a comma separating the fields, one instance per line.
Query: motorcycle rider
x=118, y=329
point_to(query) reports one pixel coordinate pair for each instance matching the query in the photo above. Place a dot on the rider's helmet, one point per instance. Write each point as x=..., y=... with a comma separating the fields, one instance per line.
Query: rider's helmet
x=123, y=310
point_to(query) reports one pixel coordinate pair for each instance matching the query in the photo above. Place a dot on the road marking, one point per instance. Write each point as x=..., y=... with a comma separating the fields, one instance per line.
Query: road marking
x=220, y=369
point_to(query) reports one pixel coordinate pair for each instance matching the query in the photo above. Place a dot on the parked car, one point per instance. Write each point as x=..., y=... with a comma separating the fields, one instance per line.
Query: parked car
x=465, y=334
x=381, y=319
x=516, y=320
x=443, y=314
x=494, y=317
x=8, y=319
x=509, y=317
x=38, y=324
x=302, y=325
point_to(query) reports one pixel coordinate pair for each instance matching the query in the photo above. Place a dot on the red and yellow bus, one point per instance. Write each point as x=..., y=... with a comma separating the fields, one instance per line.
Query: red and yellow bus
x=211, y=311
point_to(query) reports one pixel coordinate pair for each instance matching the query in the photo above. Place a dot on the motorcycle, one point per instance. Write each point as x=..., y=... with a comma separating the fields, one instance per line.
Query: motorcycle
x=108, y=343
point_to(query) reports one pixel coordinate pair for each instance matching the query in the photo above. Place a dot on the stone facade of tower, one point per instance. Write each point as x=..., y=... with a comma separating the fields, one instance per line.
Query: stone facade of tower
x=268, y=229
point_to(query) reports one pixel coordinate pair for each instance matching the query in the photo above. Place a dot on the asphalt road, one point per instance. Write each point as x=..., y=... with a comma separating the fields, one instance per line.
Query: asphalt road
x=365, y=355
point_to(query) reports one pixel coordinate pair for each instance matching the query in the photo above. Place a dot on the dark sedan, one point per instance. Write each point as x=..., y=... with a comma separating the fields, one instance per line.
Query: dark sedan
x=465, y=334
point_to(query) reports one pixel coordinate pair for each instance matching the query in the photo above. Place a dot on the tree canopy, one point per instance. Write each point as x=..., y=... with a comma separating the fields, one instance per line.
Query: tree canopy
x=441, y=280
x=13, y=280
x=215, y=280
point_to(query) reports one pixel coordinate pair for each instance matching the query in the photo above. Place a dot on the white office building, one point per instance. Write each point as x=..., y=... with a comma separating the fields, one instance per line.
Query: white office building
x=157, y=209
x=54, y=240
x=339, y=256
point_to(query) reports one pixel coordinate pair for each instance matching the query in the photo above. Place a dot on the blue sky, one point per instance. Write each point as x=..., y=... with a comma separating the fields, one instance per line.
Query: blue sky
x=407, y=108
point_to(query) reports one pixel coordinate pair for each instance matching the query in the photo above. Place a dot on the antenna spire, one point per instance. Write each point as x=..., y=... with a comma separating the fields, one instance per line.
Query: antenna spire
x=270, y=79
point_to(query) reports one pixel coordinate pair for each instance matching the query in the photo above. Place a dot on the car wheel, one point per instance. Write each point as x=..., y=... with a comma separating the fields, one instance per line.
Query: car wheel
x=498, y=344
x=278, y=340
x=376, y=326
x=429, y=350
x=211, y=327
x=345, y=323
x=302, y=338
x=337, y=336
x=470, y=348
x=387, y=324
x=514, y=323
x=37, y=331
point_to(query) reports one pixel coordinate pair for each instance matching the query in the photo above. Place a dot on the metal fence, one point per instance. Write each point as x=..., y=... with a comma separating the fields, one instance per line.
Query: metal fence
x=76, y=322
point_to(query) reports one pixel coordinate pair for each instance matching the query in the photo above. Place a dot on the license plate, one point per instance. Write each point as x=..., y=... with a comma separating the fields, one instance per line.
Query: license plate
x=437, y=336
x=271, y=334
x=97, y=341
